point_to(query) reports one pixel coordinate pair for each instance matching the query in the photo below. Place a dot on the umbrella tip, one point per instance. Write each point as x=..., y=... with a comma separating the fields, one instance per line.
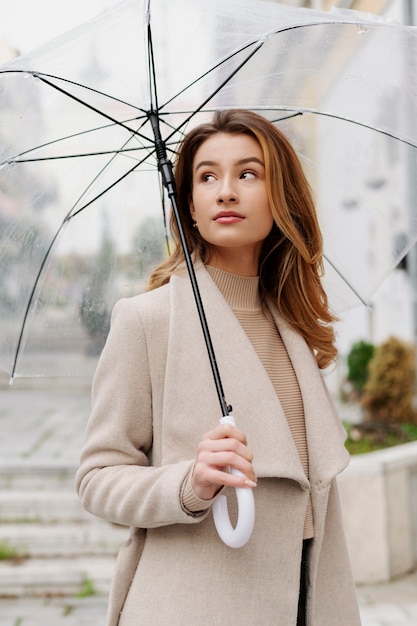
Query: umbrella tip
x=11, y=380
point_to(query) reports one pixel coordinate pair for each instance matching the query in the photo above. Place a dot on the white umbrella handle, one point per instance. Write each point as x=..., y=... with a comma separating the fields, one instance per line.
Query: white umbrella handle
x=238, y=536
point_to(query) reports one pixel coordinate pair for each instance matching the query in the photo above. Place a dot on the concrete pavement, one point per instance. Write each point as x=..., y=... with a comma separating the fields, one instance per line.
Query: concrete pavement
x=53, y=611
x=42, y=426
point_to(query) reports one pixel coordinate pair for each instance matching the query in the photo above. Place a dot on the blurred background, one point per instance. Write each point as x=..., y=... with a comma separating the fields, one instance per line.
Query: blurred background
x=55, y=557
x=25, y=26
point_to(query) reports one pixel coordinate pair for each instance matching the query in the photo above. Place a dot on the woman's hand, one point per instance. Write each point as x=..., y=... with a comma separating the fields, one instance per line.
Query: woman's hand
x=223, y=447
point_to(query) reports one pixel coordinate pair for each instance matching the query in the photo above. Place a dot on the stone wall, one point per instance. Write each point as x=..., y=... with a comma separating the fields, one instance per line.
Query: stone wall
x=378, y=493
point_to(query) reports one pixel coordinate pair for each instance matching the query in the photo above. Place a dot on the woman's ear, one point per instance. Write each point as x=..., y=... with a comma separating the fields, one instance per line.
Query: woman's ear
x=191, y=206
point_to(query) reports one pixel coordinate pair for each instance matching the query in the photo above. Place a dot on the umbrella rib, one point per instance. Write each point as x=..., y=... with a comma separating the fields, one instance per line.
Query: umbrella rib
x=362, y=125
x=17, y=158
x=265, y=37
x=348, y=283
x=248, y=45
x=211, y=110
x=218, y=88
x=251, y=43
x=108, y=188
x=70, y=215
x=42, y=77
x=37, y=74
x=299, y=111
x=214, y=67
x=31, y=297
x=76, y=155
x=296, y=113
x=153, y=92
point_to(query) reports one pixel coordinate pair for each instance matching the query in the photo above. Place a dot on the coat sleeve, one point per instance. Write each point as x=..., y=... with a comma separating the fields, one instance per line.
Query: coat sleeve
x=115, y=479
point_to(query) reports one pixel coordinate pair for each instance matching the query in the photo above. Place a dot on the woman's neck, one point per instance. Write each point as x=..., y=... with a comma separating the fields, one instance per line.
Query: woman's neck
x=235, y=261
x=241, y=292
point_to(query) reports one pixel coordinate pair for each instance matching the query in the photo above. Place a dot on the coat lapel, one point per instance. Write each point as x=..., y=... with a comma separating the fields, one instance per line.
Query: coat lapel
x=191, y=405
x=325, y=433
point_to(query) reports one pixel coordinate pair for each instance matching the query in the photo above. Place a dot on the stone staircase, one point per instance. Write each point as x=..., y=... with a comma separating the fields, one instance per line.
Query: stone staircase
x=50, y=546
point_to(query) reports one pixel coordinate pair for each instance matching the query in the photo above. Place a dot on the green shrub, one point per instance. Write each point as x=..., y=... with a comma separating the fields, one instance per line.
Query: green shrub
x=388, y=393
x=87, y=588
x=9, y=552
x=370, y=436
x=358, y=359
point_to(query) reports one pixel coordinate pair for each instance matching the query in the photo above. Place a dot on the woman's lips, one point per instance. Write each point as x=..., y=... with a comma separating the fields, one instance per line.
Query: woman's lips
x=228, y=218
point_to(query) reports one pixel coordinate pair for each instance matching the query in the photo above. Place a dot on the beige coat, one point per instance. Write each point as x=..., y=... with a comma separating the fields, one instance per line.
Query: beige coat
x=153, y=399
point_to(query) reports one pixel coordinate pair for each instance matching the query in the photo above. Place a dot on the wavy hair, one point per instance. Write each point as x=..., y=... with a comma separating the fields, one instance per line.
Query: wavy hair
x=291, y=259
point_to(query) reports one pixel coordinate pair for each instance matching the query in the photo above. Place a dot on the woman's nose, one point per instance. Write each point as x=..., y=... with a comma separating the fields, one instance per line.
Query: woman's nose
x=227, y=193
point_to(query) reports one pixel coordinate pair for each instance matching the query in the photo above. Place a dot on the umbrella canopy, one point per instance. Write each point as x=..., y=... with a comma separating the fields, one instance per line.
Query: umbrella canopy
x=81, y=222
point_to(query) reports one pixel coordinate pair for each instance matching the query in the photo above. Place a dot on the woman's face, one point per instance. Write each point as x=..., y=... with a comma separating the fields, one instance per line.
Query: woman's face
x=229, y=200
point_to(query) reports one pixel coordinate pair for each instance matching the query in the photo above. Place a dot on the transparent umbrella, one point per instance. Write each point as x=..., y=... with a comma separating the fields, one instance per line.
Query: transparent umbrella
x=80, y=192
x=91, y=123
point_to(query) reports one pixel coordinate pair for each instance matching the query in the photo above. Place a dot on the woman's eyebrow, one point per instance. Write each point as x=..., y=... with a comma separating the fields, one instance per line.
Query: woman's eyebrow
x=253, y=159
x=244, y=161
x=205, y=164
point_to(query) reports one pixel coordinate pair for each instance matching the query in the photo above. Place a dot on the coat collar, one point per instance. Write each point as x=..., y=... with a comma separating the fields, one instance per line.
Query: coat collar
x=247, y=387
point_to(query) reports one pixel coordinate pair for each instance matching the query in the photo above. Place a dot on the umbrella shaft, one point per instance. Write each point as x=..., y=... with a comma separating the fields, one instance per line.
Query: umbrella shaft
x=225, y=408
x=168, y=180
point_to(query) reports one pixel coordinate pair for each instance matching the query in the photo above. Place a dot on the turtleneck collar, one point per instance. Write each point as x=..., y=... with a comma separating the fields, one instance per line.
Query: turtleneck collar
x=241, y=292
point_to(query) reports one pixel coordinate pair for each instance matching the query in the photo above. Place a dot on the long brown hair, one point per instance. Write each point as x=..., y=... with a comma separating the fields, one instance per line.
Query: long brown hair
x=291, y=260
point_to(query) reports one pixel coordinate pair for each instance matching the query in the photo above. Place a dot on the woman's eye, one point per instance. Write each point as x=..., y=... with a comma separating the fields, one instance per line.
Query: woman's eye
x=207, y=177
x=248, y=174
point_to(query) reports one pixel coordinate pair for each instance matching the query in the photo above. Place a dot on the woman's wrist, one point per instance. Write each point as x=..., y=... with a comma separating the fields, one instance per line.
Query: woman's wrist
x=190, y=498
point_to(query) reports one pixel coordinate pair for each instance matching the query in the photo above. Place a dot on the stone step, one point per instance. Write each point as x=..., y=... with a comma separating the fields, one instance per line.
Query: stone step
x=56, y=577
x=95, y=538
x=17, y=475
x=25, y=506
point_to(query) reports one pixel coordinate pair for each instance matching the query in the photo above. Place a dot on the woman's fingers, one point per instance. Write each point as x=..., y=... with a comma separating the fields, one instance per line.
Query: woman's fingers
x=220, y=449
x=227, y=431
x=214, y=479
x=223, y=459
x=227, y=451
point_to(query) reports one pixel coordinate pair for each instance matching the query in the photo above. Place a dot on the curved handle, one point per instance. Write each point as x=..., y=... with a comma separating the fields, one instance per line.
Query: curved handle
x=240, y=535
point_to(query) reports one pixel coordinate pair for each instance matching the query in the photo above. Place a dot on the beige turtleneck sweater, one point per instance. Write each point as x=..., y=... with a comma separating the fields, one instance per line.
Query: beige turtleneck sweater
x=242, y=295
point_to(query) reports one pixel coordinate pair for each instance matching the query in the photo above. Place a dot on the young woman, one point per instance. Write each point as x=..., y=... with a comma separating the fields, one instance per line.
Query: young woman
x=154, y=458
